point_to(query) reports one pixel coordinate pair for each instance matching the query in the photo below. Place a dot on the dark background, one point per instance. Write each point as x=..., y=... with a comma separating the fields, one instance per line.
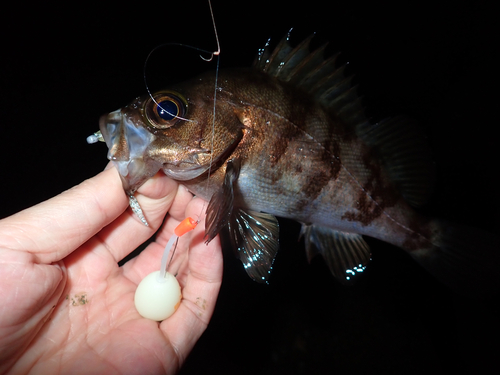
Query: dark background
x=63, y=67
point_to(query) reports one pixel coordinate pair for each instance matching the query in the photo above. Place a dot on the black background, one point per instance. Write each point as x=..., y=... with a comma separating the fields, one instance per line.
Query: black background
x=62, y=67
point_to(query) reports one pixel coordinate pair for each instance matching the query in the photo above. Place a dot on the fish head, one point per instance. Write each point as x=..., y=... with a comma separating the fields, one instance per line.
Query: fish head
x=181, y=131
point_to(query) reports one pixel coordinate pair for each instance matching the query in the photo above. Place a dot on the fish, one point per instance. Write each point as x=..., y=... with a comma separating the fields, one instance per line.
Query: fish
x=289, y=137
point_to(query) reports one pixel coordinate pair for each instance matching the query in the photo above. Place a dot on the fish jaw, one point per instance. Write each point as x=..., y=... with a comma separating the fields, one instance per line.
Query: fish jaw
x=127, y=146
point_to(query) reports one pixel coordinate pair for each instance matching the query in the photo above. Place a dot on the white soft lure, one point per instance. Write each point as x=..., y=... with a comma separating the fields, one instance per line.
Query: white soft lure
x=159, y=295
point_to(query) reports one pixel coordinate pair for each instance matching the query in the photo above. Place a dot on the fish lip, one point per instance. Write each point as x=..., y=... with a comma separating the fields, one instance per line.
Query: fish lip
x=104, y=122
x=126, y=142
x=114, y=119
x=104, y=129
x=184, y=174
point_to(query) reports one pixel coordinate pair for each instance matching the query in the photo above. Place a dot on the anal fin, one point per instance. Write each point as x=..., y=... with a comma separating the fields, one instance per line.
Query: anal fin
x=346, y=254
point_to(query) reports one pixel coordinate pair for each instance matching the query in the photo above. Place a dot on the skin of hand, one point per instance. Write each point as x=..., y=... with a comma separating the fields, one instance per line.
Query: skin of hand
x=67, y=307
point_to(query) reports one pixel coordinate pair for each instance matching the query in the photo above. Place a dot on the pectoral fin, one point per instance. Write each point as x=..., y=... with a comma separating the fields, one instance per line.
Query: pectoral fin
x=346, y=254
x=254, y=234
x=220, y=208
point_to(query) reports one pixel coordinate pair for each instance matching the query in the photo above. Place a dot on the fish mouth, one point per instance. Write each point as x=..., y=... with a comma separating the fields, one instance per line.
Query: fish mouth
x=126, y=142
x=128, y=146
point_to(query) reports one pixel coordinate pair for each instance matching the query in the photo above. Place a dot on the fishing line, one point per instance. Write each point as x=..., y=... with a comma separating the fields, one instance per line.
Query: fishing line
x=189, y=222
x=216, y=53
x=145, y=74
x=158, y=295
x=209, y=59
x=212, y=54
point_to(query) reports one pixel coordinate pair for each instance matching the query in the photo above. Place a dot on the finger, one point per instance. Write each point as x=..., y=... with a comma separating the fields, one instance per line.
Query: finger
x=201, y=260
x=182, y=199
x=150, y=258
x=201, y=288
x=199, y=296
x=54, y=228
x=127, y=232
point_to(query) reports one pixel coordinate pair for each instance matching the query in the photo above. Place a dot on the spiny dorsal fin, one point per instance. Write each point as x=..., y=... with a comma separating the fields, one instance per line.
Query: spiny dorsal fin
x=310, y=71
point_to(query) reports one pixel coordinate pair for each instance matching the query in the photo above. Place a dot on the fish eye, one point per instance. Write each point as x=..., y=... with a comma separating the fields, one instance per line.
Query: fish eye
x=165, y=109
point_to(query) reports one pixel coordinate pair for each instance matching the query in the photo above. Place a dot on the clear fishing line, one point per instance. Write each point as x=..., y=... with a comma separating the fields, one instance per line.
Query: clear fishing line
x=173, y=54
x=216, y=53
x=159, y=295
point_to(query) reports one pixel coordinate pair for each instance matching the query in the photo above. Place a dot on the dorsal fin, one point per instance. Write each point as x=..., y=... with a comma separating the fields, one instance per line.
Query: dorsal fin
x=403, y=150
x=310, y=71
x=398, y=141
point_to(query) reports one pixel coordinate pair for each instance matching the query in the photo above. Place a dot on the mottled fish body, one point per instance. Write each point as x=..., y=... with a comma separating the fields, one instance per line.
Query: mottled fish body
x=289, y=138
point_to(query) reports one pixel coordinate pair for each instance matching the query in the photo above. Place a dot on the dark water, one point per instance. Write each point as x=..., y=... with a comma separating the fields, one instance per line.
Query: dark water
x=62, y=69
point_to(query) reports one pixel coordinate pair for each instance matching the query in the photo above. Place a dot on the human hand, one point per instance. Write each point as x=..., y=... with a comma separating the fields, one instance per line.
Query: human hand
x=66, y=307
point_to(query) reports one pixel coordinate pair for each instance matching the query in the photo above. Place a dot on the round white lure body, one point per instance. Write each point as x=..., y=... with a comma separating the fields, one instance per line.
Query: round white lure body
x=157, y=298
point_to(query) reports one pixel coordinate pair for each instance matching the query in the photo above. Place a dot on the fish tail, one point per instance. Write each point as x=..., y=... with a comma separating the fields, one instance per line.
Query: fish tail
x=465, y=258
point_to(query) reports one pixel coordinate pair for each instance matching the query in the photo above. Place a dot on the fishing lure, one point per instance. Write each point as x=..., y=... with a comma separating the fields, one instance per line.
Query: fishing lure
x=159, y=294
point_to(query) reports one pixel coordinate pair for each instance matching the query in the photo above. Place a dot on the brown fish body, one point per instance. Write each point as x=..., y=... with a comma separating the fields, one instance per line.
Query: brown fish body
x=289, y=138
x=299, y=162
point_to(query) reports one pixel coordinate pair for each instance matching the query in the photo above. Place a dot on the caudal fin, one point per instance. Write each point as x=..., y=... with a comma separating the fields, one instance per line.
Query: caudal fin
x=464, y=258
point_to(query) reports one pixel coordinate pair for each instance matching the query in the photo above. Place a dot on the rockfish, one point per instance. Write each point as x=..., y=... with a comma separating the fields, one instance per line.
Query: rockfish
x=289, y=137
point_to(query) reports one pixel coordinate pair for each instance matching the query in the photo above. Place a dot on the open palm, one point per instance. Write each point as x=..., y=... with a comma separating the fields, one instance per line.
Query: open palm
x=66, y=305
